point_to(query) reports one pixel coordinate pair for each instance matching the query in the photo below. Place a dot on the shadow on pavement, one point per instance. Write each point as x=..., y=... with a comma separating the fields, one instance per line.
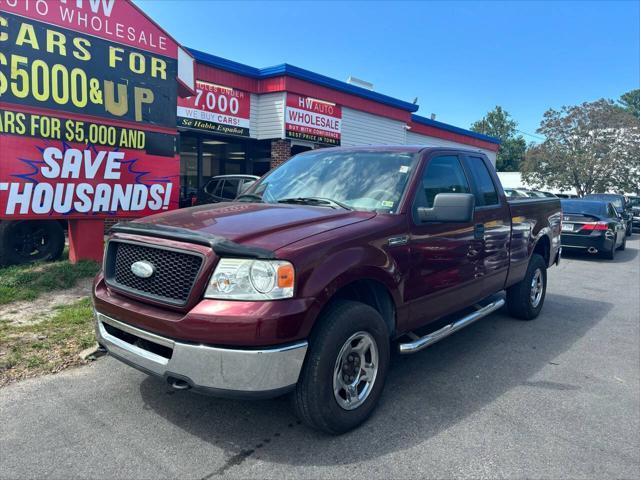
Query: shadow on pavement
x=425, y=393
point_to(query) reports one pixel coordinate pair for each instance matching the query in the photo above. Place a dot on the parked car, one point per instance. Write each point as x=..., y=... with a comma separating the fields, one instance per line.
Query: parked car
x=622, y=206
x=304, y=282
x=523, y=193
x=592, y=226
x=224, y=188
x=566, y=195
x=635, y=211
x=515, y=193
x=541, y=194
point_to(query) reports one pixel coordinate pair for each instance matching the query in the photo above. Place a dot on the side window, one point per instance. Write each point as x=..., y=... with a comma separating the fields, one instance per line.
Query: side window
x=442, y=175
x=245, y=185
x=612, y=211
x=230, y=189
x=211, y=186
x=486, y=193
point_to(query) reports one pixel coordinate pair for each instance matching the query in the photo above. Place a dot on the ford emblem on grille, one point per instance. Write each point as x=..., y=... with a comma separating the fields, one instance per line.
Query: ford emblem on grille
x=142, y=269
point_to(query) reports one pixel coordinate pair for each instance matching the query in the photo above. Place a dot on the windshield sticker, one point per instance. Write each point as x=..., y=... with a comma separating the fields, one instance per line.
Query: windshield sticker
x=404, y=169
x=387, y=203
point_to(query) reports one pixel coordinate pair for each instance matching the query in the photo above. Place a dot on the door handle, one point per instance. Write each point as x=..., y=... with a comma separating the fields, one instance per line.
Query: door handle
x=478, y=231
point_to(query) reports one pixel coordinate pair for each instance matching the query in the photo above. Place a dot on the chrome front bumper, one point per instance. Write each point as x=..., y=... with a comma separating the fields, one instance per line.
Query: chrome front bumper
x=263, y=372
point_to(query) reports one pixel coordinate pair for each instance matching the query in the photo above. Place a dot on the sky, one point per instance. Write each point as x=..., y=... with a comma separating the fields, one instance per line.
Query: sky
x=460, y=59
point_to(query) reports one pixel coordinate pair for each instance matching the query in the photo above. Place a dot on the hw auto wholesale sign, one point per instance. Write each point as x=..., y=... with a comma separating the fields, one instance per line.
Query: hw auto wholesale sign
x=312, y=120
x=87, y=110
x=216, y=109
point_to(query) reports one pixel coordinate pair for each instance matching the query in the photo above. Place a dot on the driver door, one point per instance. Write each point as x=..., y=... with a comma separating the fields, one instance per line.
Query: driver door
x=442, y=255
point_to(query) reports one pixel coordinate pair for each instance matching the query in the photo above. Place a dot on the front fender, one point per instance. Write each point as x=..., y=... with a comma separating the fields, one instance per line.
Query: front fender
x=345, y=266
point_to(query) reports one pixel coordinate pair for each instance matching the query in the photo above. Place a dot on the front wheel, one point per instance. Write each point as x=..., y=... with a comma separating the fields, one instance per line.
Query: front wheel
x=345, y=369
x=629, y=229
x=624, y=244
x=525, y=299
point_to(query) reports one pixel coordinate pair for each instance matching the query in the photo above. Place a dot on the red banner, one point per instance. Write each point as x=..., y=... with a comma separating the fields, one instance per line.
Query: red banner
x=87, y=110
x=117, y=21
x=313, y=120
x=217, y=109
x=61, y=179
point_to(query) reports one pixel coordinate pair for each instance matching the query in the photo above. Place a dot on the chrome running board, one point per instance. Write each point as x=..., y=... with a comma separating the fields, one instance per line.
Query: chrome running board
x=418, y=343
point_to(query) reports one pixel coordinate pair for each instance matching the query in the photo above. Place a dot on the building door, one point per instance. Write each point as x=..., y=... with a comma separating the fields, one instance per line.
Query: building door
x=188, y=169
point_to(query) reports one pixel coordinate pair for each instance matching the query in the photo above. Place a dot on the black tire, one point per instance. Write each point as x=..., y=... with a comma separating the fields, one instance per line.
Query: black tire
x=314, y=399
x=26, y=241
x=611, y=254
x=624, y=244
x=519, y=302
x=629, y=231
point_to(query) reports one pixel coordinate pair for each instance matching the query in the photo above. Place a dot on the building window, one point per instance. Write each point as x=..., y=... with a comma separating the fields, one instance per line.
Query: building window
x=205, y=156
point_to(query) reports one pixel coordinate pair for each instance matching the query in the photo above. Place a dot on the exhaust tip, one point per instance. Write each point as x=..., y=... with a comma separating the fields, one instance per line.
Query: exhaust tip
x=178, y=384
x=592, y=250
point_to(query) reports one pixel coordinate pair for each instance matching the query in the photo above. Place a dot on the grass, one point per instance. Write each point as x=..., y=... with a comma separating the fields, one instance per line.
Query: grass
x=27, y=282
x=48, y=346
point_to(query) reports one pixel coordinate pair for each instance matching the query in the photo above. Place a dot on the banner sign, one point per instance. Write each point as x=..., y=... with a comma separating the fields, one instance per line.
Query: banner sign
x=70, y=169
x=118, y=21
x=216, y=109
x=55, y=68
x=87, y=110
x=312, y=120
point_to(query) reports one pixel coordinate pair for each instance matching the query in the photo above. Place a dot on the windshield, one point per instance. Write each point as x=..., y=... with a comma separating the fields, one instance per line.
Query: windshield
x=583, y=207
x=615, y=199
x=360, y=180
x=634, y=201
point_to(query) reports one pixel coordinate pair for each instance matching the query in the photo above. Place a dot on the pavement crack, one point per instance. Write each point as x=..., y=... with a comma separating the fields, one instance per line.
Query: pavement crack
x=237, y=459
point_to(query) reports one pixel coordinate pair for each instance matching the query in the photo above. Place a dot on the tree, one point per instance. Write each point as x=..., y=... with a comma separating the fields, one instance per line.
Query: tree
x=630, y=102
x=593, y=147
x=498, y=123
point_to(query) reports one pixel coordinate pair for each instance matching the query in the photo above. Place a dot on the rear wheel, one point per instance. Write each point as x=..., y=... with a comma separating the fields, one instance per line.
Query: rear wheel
x=525, y=299
x=624, y=244
x=611, y=254
x=25, y=241
x=345, y=369
x=629, y=229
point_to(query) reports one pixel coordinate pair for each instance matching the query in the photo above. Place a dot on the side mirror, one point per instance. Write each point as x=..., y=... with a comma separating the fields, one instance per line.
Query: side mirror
x=449, y=207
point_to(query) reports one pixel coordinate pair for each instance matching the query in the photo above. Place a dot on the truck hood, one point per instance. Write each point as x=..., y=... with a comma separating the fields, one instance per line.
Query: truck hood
x=263, y=225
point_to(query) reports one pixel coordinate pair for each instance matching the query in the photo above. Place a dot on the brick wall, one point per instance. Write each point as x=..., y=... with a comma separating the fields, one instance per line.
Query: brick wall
x=280, y=152
x=110, y=222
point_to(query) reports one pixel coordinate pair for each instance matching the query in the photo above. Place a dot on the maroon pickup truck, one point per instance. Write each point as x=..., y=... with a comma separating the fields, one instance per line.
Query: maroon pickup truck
x=308, y=279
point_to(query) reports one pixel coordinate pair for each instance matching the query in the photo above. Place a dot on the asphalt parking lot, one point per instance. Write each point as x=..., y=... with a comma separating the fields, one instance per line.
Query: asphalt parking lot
x=556, y=397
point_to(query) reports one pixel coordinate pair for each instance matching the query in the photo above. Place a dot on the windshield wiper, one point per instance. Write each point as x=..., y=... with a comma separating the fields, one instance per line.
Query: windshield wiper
x=317, y=201
x=251, y=196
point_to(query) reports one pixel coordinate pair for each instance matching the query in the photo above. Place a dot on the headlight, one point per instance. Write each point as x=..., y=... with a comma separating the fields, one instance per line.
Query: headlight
x=243, y=279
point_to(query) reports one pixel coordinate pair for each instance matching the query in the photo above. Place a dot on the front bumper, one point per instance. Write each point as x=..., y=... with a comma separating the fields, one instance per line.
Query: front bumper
x=261, y=373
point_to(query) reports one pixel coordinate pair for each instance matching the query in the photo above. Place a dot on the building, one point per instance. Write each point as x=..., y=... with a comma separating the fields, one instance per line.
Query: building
x=249, y=120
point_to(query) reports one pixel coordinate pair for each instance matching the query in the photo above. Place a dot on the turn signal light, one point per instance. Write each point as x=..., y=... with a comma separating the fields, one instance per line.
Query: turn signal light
x=285, y=276
x=595, y=226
